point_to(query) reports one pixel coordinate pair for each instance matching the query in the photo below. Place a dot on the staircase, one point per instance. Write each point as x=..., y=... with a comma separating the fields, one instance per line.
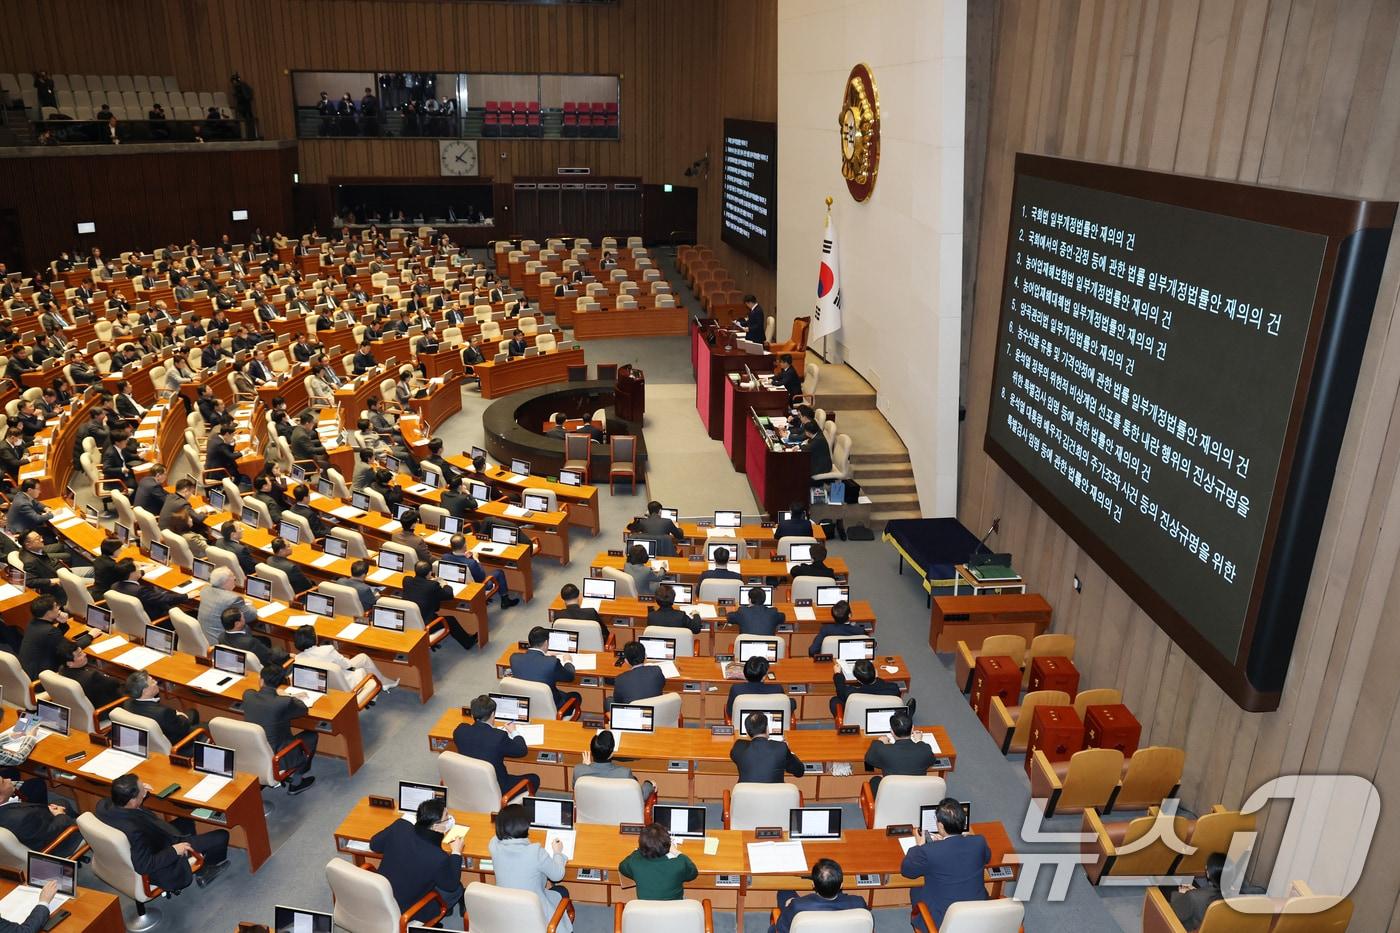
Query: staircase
x=879, y=459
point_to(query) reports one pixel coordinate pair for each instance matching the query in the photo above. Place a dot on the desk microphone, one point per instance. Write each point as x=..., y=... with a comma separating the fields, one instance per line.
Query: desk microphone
x=994, y=530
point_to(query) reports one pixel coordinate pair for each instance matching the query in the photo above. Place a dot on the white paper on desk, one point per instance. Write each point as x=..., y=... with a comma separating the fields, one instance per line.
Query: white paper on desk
x=440, y=538
x=107, y=644
x=156, y=572
x=719, y=532
x=531, y=732
x=848, y=669
x=271, y=609
x=711, y=845
x=352, y=630
x=67, y=523
x=908, y=842
x=144, y=435
x=932, y=743
x=111, y=764
x=346, y=511
x=584, y=662
x=390, y=527
x=512, y=477
x=354, y=845
x=705, y=611
x=516, y=511
x=325, y=560
x=189, y=586
x=769, y=857
x=299, y=621
x=380, y=575
x=793, y=564
x=420, y=489
x=456, y=588
x=207, y=788
x=488, y=549
x=589, y=602
x=804, y=613
x=669, y=669
x=138, y=658
x=10, y=591
x=214, y=681
x=568, y=836
x=63, y=514
x=19, y=903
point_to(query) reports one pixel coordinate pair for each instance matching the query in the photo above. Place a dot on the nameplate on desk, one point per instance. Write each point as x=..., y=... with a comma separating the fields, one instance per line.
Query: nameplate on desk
x=690, y=686
x=98, y=738
x=723, y=658
x=613, y=553
x=899, y=829
x=721, y=731
x=523, y=645
x=646, y=599
x=802, y=602
x=382, y=803
x=676, y=764
x=768, y=832
x=552, y=758
x=467, y=712
x=182, y=761
x=201, y=661
x=823, y=658
x=848, y=730
x=589, y=681
x=726, y=602
x=768, y=525
x=629, y=829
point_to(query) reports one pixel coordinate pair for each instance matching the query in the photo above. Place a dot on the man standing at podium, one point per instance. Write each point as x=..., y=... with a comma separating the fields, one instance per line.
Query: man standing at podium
x=753, y=324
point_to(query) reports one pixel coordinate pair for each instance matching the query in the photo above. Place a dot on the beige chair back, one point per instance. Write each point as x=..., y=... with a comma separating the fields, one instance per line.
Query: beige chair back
x=111, y=857
x=685, y=639
x=540, y=695
x=158, y=742
x=17, y=689
x=128, y=615
x=608, y=801
x=665, y=710
x=900, y=796
x=250, y=747
x=626, y=586
x=753, y=805
x=65, y=691
x=1000, y=915
x=281, y=584
x=471, y=783
x=364, y=900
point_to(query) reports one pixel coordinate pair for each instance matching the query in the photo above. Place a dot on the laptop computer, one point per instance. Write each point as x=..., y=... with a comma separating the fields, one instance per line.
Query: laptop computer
x=549, y=813
x=766, y=648
x=451, y=572
x=928, y=816
x=505, y=534
x=314, y=679
x=521, y=467
x=451, y=524
x=230, y=660
x=728, y=518
x=566, y=642
x=359, y=501
x=831, y=595
x=320, y=604
x=258, y=588
x=571, y=477
x=799, y=553
x=685, y=592
x=814, y=823
x=296, y=920
x=159, y=639
x=218, y=499
x=646, y=544
x=289, y=532
x=213, y=759
x=599, y=588
x=511, y=708
x=659, y=647
x=625, y=717
x=536, y=502
x=673, y=514
x=336, y=547
x=160, y=553
x=412, y=793
x=100, y=618
x=479, y=491
x=387, y=617
x=248, y=516
x=45, y=868
x=52, y=716
x=855, y=649
x=202, y=569
x=130, y=739
x=390, y=560
x=683, y=822
x=877, y=721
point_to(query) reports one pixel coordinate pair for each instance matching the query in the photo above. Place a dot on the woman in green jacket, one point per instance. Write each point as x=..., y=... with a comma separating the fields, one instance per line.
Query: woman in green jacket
x=659, y=869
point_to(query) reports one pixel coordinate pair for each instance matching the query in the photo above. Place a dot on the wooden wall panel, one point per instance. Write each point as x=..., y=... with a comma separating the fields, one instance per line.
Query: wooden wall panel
x=1296, y=93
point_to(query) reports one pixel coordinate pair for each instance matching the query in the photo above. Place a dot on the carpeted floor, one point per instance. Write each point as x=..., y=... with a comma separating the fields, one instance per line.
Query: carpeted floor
x=690, y=472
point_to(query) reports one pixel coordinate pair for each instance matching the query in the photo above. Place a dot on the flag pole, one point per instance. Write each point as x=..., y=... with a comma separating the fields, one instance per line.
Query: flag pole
x=826, y=358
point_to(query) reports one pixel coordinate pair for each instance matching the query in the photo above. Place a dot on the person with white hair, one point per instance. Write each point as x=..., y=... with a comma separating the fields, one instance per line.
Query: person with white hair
x=215, y=598
x=356, y=669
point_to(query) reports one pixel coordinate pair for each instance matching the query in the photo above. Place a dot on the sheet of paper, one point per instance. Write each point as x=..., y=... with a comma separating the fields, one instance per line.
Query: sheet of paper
x=299, y=621
x=711, y=845
x=271, y=609
x=705, y=611
x=932, y=743
x=68, y=522
x=719, y=532
x=420, y=489
x=346, y=511
x=804, y=613
x=138, y=658
x=19, y=903
x=908, y=842
x=325, y=560
x=214, y=681
x=532, y=732
x=391, y=527
x=458, y=831
x=111, y=764
x=207, y=788
x=189, y=586
x=380, y=575
x=516, y=511
x=568, y=836
x=9, y=591
x=439, y=538
x=770, y=857
x=156, y=572
x=107, y=644
x=584, y=662
x=590, y=603
x=352, y=630
x=457, y=588
x=512, y=477
x=669, y=669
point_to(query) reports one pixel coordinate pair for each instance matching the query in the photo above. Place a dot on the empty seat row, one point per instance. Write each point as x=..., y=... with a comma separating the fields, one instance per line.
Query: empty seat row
x=14, y=83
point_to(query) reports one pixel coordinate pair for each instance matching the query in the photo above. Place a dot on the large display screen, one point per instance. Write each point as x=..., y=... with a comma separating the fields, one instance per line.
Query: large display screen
x=749, y=220
x=1172, y=381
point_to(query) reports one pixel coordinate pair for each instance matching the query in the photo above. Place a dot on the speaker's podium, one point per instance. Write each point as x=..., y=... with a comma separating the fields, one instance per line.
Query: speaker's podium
x=630, y=394
x=780, y=476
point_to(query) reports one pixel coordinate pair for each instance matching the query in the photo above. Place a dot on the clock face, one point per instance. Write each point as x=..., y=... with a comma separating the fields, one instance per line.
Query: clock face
x=457, y=157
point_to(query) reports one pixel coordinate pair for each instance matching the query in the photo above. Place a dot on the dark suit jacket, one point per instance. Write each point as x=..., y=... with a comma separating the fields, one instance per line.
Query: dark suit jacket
x=415, y=863
x=542, y=669
x=32, y=823
x=764, y=761
x=951, y=870
x=151, y=839
x=41, y=567
x=754, y=325
x=747, y=689
x=756, y=620
x=820, y=453
x=260, y=647
x=246, y=561
x=793, y=527
x=156, y=601
x=104, y=574
x=459, y=504
x=485, y=742
x=790, y=379
x=274, y=713
x=305, y=444
x=295, y=576
x=150, y=495
x=99, y=688
x=639, y=683
x=172, y=723
x=904, y=756
x=880, y=688
x=25, y=514
x=797, y=905
x=721, y=573
x=221, y=455
x=427, y=595
x=673, y=617
x=38, y=650
x=812, y=570
x=833, y=628
x=313, y=518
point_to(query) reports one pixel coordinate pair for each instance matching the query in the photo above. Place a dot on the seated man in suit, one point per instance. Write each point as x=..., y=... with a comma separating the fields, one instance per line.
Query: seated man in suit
x=866, y=682
x=40, y=648
x=413, y=860
x=788, y=378
x=275, y=712
x=816, y=568
x=157, y=602
x=666, y=614
x=542, y=666
x=641, y=680
x=357, y=582
x=762, y=760
x=424, y=591
x=598, y=762
x=827, y=879
x=281, y=560
x=458, y=554
x=755, y=684
x=721, y=569
x=458, y=504
x=232, y=541
x=840, y=624
x=950, y=863
x=28, y=514
x=217, y=596
x=904, y=751
x=363, y=361
x=517, y=345
x=161, y=850
x=818, y=450
x=305, y=443
x=150, y=491
x=655, y=525
x=575, y=611
x=36, y=825
x=236, y=635
x=796, y=525
x=408, y=535
x=301, y=505
x=220, y=454
x=99, y=688
x=483, y=740
x=756, y=618
x=143, y=699
x=558, y=430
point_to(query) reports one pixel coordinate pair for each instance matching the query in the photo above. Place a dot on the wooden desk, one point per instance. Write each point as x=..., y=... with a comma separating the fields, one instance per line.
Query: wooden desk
x=973, y=618
x=582, y=501
x=551, y=529
x=756, y=537
x=967, y=580
x=638, y=322
x=90, y=911
x=237, y=808
x=444, y=399
x=860, y=851
x=627, y=617
x=499, y=379
x=780, y=478
x=702, y=768
x=753, y=570
x=713, y=362
x=738, y=402
x=704, y=689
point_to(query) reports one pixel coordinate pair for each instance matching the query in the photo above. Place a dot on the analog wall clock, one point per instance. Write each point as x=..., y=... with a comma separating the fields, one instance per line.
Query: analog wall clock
x=457, y=157
x=859, y=123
